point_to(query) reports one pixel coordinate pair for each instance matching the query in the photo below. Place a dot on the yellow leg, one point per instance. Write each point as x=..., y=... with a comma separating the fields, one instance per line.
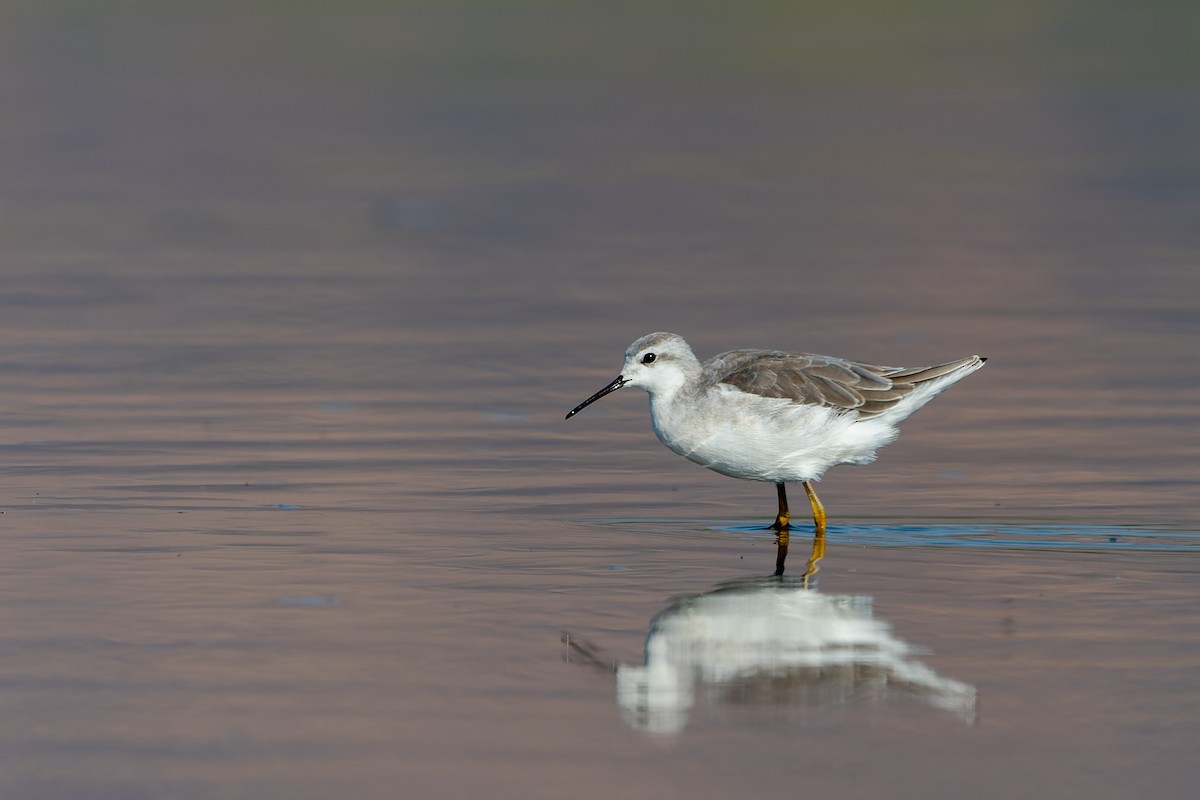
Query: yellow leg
x=783, y=517
x=818, y=546
x=817, y=509
x=818, y=552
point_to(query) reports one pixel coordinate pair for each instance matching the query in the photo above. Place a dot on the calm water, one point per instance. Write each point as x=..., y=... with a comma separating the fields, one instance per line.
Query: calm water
x=293, y=305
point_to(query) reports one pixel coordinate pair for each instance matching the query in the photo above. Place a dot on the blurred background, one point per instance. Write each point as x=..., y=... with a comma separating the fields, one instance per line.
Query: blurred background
x=294, y=297
x=484, y=203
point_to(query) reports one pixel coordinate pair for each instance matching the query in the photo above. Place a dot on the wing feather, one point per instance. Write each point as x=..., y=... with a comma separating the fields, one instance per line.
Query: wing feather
x=809, y=379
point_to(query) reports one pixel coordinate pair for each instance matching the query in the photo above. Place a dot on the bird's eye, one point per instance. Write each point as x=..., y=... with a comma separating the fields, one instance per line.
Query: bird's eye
x=648, y=358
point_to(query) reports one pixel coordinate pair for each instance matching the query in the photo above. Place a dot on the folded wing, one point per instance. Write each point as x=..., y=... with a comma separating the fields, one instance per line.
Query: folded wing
x=811, y=379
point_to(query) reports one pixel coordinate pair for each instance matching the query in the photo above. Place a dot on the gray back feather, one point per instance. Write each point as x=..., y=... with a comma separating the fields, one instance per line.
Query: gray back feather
x=828, y=381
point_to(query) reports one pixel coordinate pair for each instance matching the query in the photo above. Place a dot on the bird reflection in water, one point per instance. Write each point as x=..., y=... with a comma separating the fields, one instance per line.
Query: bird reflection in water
x=775, y=641
x=811, y=566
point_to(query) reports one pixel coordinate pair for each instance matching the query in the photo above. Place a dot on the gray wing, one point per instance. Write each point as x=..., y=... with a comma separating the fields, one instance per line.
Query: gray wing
x=819, y=380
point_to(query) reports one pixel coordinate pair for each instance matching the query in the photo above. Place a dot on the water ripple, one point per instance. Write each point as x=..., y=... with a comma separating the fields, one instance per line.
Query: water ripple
x=1009, y=536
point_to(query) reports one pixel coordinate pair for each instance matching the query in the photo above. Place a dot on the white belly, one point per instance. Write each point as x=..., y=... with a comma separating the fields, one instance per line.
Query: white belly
x=765, y=439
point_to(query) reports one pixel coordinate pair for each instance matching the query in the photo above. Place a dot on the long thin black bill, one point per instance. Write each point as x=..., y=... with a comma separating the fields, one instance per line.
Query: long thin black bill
x=617, y=383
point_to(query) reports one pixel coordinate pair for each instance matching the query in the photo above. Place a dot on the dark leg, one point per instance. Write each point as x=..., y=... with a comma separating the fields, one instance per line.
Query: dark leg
x=781, y=519
x=781, y=548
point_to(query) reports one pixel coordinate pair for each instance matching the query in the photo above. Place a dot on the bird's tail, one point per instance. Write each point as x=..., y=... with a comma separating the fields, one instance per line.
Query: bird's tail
x=959, y=369
x=927, y=383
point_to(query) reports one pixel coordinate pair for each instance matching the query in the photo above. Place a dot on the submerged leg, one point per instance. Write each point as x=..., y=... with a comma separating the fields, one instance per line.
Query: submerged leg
x=781, y=548
x=817, y=509
x=811, y=567
x=818, y=552
x=781, y=519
